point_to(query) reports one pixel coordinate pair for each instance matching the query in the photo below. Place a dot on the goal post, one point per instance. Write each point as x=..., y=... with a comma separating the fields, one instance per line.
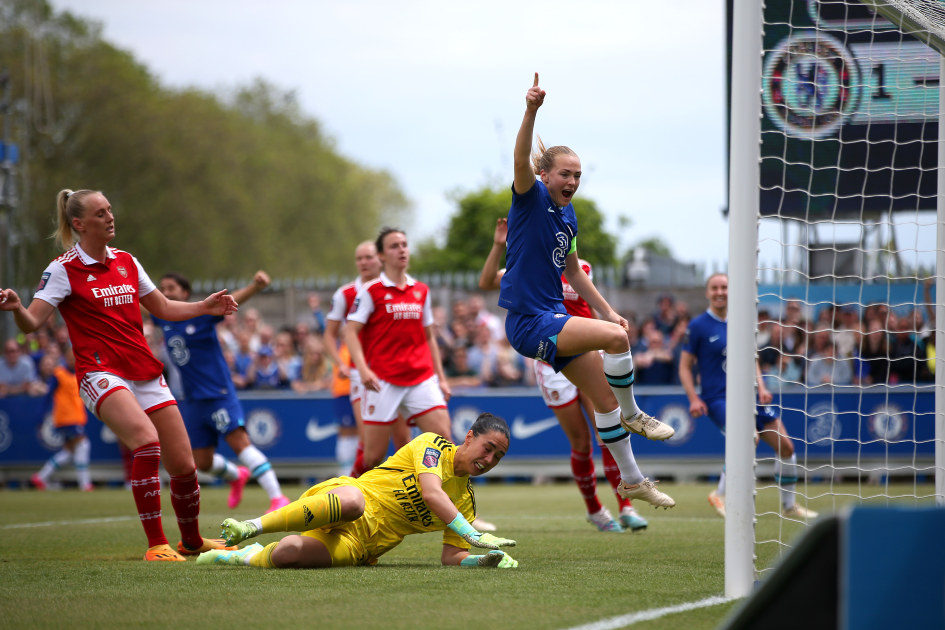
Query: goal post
x=745, y=129
x=836, y=156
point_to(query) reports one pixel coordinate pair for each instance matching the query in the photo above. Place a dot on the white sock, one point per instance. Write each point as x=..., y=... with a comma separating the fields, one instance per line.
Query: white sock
x=224, y=468
x=346, y=449
x=81, y=457
x=618, y=368
x=261, y=469
x=721, y=489
x=785, y=473
x=617, y=440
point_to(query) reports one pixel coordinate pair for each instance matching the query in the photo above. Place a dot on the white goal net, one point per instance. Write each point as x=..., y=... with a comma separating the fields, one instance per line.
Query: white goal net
x=848, y=257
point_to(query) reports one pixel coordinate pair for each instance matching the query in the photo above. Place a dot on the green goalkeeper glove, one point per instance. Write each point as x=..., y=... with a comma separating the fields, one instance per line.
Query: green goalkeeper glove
x=496, y=559
x=487, y=541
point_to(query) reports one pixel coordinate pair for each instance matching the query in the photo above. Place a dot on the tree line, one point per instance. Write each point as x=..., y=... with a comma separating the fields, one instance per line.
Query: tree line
x=208, y=185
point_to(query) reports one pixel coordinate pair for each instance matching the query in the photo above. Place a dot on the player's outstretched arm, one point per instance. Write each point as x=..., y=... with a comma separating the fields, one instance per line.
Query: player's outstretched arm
x=431, y=487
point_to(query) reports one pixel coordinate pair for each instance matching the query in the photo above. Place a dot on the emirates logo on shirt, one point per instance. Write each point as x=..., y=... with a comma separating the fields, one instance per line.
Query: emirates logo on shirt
x=122, y=271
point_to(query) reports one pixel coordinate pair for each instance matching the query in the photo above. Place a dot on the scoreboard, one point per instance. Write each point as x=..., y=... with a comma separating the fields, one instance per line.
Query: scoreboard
x=849, y=113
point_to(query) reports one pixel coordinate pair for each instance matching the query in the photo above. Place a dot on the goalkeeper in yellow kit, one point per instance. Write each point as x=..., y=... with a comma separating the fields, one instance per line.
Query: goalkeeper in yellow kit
x=423, y=487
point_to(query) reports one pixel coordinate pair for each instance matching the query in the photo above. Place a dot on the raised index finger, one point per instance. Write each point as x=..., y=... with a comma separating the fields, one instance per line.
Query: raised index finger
x=536, y=80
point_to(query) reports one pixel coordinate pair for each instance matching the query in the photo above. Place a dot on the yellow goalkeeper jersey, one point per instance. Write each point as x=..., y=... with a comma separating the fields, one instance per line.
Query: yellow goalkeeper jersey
x=394, y=505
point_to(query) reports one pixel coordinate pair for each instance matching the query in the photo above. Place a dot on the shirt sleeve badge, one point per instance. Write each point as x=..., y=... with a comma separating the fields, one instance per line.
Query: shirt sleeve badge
x=431, y=457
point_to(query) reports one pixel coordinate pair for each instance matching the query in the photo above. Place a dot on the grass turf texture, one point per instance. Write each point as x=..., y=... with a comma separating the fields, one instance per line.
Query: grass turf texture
x=70, y=559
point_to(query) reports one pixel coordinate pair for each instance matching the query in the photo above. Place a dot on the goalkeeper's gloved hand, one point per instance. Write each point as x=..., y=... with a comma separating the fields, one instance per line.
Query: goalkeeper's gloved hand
x=497, y=559
x=487, y=540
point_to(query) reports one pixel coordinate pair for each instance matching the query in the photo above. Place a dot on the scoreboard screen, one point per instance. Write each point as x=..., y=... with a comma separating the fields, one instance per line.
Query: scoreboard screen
x=849, y=123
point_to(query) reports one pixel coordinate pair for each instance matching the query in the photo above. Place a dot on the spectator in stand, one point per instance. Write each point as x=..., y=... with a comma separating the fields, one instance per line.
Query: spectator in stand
x=874, y=356
x=252, y=322
x=658, y=359
x=907, y=350
x=461, y=324
x=509, y=368
x=265, y=373
x=459, y=373
x=483, y=354
x=18, y=375
x=284, y=354
x=666, y=316
x=823, y=367
x=315, y=372
x=847, y=331
x=69, y=419
x=315, y=307
x=794, y=323
x=444, y=336
x=301, y=333
x=778, y=367
x=480, y=316
x=243, y=359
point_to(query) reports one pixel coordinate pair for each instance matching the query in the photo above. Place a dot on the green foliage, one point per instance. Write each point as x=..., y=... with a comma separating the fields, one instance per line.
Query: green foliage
x=470, y=232
x=205, y=185
x=653, y=244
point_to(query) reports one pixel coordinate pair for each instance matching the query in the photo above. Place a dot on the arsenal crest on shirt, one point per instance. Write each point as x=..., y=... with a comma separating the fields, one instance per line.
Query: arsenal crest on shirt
x=122, y=271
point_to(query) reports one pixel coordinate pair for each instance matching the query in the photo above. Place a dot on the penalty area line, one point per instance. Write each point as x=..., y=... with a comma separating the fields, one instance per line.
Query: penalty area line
x=84, y=521
x=646, y=615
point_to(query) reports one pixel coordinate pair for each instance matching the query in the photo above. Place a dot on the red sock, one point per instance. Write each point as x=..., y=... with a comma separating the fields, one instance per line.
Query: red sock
x=358, y=468
x=126, y=459
x=612, y=472
x=146, y=490
x=582, y=467
x=185, y=497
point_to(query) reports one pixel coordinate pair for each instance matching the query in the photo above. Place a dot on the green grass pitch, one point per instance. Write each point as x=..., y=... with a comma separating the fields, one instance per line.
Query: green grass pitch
x=73, y=560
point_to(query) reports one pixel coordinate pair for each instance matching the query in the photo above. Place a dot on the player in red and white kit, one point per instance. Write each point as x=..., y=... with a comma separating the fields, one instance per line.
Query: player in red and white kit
x=391, y=339
x=566, y=402
x=99, y=291
x=342, y=303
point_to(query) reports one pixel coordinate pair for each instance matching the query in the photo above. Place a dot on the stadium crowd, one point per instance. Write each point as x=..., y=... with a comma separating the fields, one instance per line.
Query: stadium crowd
x=840, y=345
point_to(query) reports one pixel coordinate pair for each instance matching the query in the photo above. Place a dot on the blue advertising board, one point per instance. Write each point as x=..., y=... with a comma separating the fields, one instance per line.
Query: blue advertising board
x=874, y=423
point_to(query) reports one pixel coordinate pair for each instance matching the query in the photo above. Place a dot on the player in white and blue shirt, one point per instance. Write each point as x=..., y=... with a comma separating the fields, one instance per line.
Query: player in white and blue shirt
x=541, y=247
x=704, y=348
x=209, y=404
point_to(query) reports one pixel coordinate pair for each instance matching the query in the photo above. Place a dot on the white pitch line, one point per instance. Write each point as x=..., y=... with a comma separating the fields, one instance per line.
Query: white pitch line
x=646, y=615
x=84, y=521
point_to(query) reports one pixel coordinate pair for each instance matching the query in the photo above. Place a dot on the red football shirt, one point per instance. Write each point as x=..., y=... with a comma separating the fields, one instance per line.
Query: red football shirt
x=394, y=333
x=99, y=303
x=574, y=304
x=342, y=301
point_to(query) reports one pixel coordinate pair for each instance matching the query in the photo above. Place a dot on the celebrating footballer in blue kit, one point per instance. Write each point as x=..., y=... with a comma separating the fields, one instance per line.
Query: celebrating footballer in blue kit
x=209, y=404
x=541, y=246
x=423, y=487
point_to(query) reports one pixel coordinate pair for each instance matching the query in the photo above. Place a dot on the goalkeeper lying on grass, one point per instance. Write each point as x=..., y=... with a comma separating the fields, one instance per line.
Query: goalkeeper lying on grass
x=423, y=487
